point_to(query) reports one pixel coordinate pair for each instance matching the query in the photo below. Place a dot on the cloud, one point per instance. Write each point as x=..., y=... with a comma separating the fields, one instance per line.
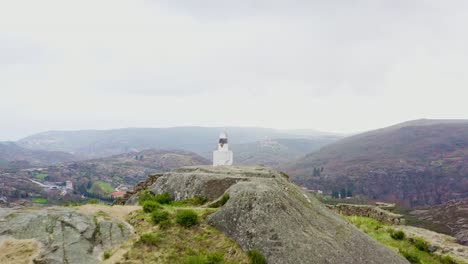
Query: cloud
x=333, y=65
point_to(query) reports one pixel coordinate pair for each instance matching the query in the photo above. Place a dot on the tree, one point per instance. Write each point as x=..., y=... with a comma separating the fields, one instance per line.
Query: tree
x=335, y=194
x=343, y=193
x=349, y=193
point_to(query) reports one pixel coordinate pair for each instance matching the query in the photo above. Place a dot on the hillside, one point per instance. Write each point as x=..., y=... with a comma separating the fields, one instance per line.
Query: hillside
x=205, y=215
x=261, y=210
x=273, y=152
x=128, y=168
x=415, y=163
x=101, y=143
x=449, y=218
x=13, y=155
x=95, y=178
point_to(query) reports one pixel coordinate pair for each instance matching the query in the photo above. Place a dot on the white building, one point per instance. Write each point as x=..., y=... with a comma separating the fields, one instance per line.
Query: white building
x=222, y=156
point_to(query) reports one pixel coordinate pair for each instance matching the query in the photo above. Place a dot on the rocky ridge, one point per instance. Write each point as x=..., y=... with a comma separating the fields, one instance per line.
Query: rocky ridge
x=59, y=235
x=268, y=213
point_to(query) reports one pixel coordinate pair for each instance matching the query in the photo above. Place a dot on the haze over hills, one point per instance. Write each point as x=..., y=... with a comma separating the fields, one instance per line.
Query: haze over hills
x=202, y=140
x=273, y=152
x=420, y=162
x=13, y=155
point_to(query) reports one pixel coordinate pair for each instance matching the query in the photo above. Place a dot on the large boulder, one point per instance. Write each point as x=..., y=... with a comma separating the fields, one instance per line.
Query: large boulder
x=65, y=235
x=268, y=213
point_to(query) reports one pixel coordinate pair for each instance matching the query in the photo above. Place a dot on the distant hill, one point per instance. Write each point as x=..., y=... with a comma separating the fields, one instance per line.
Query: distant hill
x=273, y=152
x=12, y=155
x=95, y=178
x=203, y=140
x=128, y=168
x=420, y=162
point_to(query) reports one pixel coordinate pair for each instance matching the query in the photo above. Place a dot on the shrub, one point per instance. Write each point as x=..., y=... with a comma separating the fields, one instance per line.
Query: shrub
x=150, y=239
x=187, y=218
x=215, y=258
x=164, y=224
x=107, y=255
x=410, y=257
x=150, y=206
x=221, y=202
x=146, y=195
x=200, y=259
x=447, y=260
x=163, y=198
x=398, y=235
x=196, y=200
x=212, y=258
x=159, y=216
x=92, y=201
x=421, y=244
x=256, y=257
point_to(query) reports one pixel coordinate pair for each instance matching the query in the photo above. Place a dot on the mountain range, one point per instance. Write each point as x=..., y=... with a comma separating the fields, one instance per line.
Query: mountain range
x=88, y=144
x=416, y=163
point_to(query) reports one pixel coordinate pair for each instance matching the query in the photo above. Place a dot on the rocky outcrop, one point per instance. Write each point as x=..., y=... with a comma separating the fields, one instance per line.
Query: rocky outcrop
x=369, y=211
x=438, y=244
x=268, y=213
x=64, y=235
x=136, y=189
x=449, y=218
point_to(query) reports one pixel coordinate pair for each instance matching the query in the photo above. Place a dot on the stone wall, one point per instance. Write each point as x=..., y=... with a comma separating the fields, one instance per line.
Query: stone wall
x=144, y=185
x=369, y=211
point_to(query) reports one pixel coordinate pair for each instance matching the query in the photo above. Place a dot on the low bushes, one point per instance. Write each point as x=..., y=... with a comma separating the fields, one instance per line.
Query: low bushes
x=150, y=206
x=397, y=235
x=163, y=198
x=256, y=257
x=159, y=216
x=212, y=258
x=187, y=218
x=150, y=239
x=420, y=244
x=412, y=258
x=146, y=195
x=196, y=200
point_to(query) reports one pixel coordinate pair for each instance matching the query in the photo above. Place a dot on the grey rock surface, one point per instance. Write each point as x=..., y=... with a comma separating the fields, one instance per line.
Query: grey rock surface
x=268, y=213
x=66, y=236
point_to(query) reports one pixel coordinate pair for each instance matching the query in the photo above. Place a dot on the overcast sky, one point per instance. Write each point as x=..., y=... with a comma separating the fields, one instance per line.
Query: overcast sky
x=334, y=65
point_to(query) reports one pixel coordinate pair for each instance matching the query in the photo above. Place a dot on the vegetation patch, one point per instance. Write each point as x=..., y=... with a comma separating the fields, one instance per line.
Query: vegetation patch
x=41, y=176
x=145, y=195
x=105, y=186
x=187, y=218
x=220, y=202
x=174, y=243
x=39, y=200
x=163, y=198
x=415, y=250
x=159, y=216
x=256, y=257
x=397, y=235
x=150, y=239
x=150, y=206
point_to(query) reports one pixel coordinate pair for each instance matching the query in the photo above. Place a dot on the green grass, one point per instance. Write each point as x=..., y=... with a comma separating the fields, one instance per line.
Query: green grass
x=39, y=200
x=41, y=176
x=105, y=186
x=173, y=243
x=414, y=250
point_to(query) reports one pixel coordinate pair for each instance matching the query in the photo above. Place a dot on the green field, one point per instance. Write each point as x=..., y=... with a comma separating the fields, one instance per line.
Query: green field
x=382, y=233
x=39, y=200
x=105, y=186
x=41, y=176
